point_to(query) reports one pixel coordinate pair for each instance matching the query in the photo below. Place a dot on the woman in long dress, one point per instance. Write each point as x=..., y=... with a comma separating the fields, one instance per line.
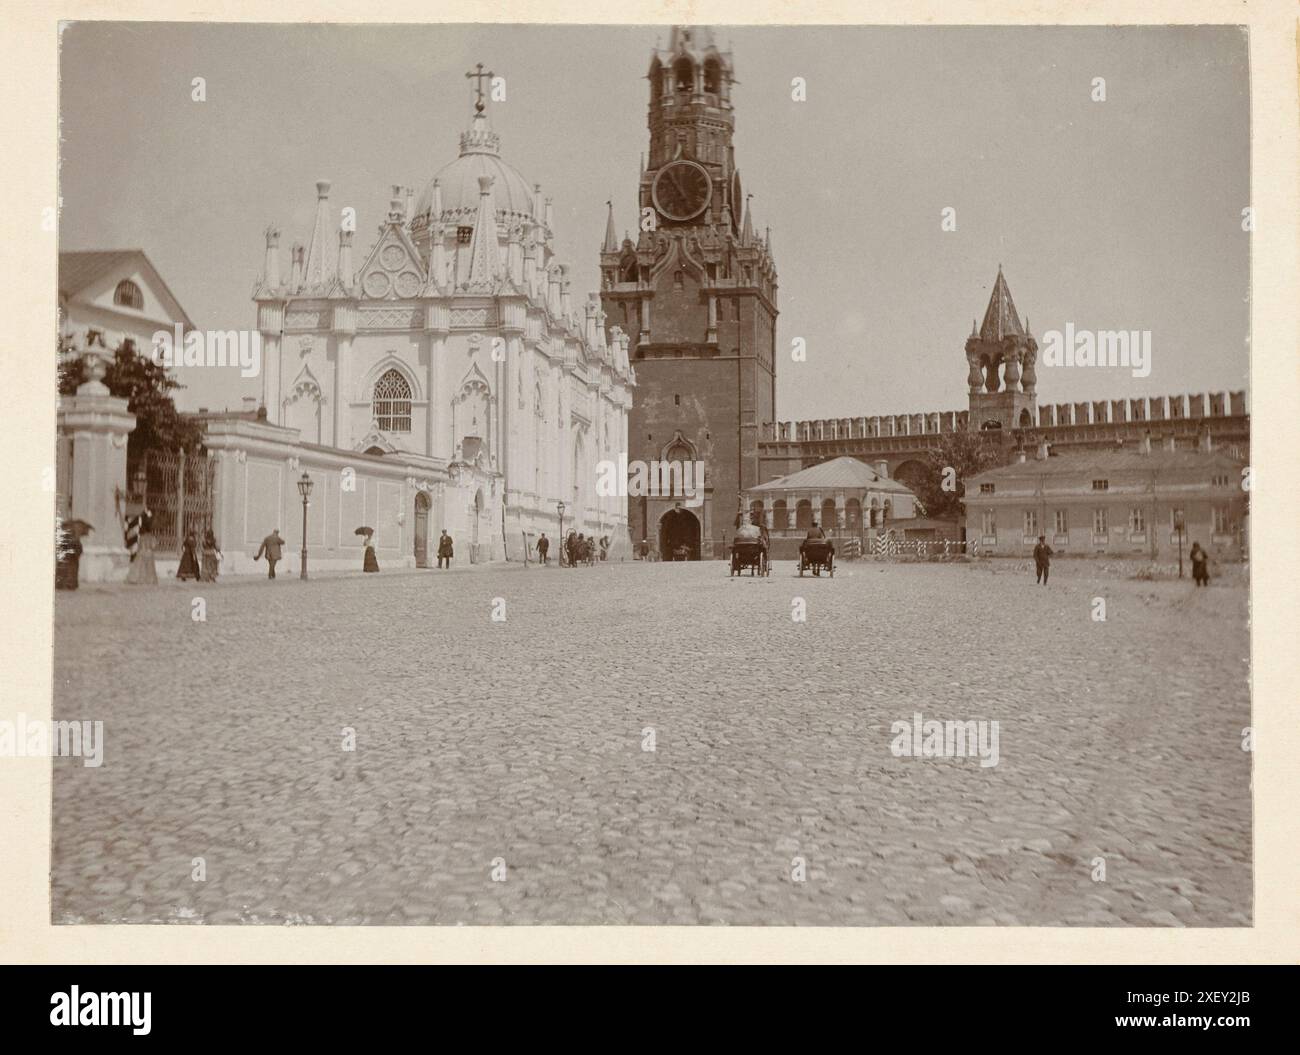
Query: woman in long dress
x=189, y=566
x=211, y=556
x=143, y=571
x=370, y=562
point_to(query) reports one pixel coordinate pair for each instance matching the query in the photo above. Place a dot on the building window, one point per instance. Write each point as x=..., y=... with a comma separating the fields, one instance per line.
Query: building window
x=1062, y=524
x=1137, y=523
x=989, y=524
x=1100, y=525
x=677, y=400
x=392, y=403
x=128, y=295
x=1101, y=485
x=986, y=489
x=1222, y=525
x=464, y=235
x=1219, y=480
x=1031, y=523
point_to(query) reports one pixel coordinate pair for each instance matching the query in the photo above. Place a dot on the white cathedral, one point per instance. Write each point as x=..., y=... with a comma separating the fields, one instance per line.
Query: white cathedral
x=455, y=341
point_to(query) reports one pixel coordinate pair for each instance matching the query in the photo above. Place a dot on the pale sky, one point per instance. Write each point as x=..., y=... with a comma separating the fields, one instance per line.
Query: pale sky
x=1122, y=214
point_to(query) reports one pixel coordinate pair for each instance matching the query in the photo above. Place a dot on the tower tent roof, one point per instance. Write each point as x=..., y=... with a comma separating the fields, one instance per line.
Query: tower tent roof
x=1000, y=320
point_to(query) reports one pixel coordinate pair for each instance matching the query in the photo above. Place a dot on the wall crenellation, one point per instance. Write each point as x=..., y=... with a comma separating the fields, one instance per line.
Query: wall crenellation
x=1152, y=409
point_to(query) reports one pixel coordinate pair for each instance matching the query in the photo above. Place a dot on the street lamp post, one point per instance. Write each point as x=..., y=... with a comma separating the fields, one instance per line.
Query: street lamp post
x=304, y=489
x=559, y=508
x=1178, y=525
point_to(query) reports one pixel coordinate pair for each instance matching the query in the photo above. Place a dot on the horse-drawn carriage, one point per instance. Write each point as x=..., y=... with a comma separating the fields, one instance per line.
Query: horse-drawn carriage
x=816, y=555
x=749, y=550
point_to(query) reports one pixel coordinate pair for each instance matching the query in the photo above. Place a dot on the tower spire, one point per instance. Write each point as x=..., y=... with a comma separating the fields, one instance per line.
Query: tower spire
x=747, y=225
x=611, y=238
x=484, y=255
x=1000, y=319
x=322, y=250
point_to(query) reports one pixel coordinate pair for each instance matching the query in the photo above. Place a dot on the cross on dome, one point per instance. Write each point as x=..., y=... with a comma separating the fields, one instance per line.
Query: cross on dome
x=477, y=76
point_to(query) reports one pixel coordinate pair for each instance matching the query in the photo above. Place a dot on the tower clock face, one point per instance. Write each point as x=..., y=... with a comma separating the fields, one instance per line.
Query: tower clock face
x=682, y=190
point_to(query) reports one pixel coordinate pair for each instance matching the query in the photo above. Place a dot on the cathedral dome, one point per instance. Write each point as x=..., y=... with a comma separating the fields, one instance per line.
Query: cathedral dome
x=480, y=155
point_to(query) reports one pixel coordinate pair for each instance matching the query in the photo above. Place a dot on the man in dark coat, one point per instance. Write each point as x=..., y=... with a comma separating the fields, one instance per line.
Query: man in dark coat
x=1042, y=559
x=543, y=547
x=444, y=549
x=273, y=547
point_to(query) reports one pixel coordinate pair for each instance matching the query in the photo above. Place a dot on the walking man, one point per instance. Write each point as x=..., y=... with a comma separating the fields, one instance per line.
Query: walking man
x=444, y=550
x=1042, y=559
x=543, y=547
x=272, y=546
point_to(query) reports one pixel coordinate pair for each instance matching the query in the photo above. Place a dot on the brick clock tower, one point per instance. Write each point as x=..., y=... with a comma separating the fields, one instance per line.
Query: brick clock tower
x=697, y=293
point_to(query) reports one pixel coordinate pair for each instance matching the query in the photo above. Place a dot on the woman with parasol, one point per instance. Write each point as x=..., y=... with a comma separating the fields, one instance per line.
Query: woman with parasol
x=369, y=562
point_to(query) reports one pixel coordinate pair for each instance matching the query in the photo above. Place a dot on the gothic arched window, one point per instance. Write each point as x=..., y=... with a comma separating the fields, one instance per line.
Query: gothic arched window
x=392, y=403
x=128, y=295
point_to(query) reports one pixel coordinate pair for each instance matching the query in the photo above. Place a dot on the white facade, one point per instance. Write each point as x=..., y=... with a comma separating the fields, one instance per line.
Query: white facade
x=456, y=342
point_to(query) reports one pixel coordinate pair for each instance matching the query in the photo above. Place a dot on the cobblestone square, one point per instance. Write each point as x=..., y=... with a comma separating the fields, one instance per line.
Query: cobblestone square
x=500, y=771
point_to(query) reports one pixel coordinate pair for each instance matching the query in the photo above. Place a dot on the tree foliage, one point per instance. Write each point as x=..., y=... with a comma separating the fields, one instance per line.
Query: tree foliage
x=147, y=388
x=958, y=457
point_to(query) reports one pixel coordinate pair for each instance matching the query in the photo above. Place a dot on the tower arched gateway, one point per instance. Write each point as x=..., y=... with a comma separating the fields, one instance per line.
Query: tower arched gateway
x=679, y=534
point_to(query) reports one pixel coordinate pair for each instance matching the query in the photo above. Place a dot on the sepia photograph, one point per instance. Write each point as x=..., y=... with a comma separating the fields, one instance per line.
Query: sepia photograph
x=574, y=474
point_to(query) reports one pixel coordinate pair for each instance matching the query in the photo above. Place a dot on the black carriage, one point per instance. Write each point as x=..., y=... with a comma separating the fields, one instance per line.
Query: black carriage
x=817, y=555
x=751, y=554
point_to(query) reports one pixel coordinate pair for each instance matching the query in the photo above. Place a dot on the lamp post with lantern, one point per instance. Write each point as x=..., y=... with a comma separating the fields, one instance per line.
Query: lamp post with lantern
x=559, y=508
x=304, y=489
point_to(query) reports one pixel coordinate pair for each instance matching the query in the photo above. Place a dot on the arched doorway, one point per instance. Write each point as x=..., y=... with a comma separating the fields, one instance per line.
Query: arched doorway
x=803, y=515
x=679, y=528
x=422, y=504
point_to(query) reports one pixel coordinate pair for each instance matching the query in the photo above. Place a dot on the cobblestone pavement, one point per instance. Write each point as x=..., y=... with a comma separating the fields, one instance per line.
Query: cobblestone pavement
x=521, y=743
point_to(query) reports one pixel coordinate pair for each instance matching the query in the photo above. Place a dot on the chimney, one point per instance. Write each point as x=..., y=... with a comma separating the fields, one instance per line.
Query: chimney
x=566, y=298
x=1144, y=445
x=882, y=470
x=1170, y=443
x=295, y=282
x=410, y=201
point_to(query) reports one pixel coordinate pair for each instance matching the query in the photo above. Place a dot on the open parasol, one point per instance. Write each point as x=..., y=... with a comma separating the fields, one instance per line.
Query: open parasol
x=367, y=531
